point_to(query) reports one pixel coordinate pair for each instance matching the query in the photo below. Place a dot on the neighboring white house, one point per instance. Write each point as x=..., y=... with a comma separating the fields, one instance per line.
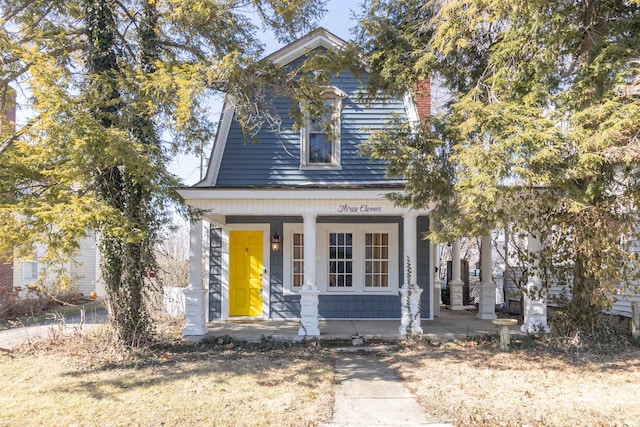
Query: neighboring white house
x=83, y=268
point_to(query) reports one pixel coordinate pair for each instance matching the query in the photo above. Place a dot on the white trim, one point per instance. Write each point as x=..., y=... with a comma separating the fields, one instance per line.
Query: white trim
x=219, y=144
x=411, y=109
x=192, y=194
x=322, y=255
x=335, y=96
x=266, y=261
x=317, y=38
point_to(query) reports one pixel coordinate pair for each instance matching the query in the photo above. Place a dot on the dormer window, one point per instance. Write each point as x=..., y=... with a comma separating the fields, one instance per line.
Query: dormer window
x=320, y=134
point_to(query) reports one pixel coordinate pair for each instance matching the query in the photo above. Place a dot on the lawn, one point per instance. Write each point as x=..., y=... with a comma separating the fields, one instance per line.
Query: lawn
x=82, y=381
x=472, y=383
x=212, y=384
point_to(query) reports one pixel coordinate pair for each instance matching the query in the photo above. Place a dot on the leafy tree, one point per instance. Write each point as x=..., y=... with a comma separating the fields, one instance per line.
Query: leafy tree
x=115, y=89
x=540, y=131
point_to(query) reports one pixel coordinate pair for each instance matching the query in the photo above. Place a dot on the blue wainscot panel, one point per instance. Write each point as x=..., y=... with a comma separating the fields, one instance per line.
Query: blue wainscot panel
x=360, y=306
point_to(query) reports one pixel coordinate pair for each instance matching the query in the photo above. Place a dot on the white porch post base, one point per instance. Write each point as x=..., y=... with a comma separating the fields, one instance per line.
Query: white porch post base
x=455, y=294
x=535, y=310
x=487, y=306
x=194, y=312
x=410, y=311
x=437, y=292
x=535, y=315
x=309, y=326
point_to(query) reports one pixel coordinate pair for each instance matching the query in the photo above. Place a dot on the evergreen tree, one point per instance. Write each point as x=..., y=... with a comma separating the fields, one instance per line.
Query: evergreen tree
x=539, y=132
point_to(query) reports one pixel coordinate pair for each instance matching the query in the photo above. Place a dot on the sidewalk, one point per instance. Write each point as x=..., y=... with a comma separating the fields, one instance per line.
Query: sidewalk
x=369, y=393
x=10, y=338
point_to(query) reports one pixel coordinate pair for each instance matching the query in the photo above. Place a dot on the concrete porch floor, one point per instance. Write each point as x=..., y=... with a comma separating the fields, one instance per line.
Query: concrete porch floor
x=450, y=325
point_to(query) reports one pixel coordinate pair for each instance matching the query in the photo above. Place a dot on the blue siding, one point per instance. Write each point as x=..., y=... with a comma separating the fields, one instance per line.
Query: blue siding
x=424, y=268
x=274, y=160
x=359, y=306
x=215, y=273
x=281, y=306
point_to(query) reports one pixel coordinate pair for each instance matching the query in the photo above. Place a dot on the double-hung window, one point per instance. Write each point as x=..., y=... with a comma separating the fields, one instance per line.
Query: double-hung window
x=340, y=260
x=320, y=133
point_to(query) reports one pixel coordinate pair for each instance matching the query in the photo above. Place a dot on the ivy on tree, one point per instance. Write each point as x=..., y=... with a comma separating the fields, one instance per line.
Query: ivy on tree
x=115, y=89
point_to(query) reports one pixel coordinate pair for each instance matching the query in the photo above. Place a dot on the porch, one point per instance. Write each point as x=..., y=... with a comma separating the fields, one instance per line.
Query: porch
x=450, y=325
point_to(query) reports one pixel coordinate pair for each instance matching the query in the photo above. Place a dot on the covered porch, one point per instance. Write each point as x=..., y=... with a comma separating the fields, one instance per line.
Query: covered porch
x=450, y=325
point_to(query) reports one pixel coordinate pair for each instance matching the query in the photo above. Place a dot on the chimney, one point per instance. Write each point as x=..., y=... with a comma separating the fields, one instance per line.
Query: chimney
x=6, y=272
x=422, y=98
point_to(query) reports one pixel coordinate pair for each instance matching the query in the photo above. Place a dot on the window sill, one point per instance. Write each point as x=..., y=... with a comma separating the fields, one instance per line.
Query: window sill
x=320, y=167
x=349, y=292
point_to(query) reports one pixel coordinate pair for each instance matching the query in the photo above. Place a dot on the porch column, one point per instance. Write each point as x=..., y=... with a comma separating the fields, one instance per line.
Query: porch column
x=487, y=306
x=435, y=277
x=309, y=293
x=410, y=292
x=456, y=284
x=535, y=303
x=195, y=293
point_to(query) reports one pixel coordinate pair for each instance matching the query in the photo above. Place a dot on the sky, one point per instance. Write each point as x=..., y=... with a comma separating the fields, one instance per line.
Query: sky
x=338, y=20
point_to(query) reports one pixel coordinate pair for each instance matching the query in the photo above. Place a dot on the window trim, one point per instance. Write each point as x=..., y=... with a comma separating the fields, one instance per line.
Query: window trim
x=322, y=257
x=334, y=94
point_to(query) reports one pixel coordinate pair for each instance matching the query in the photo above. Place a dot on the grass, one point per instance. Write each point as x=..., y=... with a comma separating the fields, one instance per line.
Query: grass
x=472, y=383
x=82, y=380
x=79, y=381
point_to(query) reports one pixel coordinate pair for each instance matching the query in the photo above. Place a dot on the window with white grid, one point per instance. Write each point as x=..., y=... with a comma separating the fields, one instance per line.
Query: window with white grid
x=340, y=260
x=297, y=260
x=376, y=250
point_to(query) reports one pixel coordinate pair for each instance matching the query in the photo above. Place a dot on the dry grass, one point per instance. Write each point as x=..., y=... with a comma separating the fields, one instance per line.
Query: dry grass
x=474, y=384
x=80, y=381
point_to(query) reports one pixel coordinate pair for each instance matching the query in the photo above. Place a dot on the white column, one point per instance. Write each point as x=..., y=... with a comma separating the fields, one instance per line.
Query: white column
x=535, y=303
x=456, y=284
x=309, y=326
x=487, y=306
x=434, y=265
x=410, y=292
x=195, y=293
x=410, y=238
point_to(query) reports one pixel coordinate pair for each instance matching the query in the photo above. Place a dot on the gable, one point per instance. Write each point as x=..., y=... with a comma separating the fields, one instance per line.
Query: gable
x=274, y=159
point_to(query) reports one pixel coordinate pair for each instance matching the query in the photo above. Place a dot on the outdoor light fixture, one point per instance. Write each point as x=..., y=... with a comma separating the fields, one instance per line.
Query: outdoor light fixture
x=275, y=242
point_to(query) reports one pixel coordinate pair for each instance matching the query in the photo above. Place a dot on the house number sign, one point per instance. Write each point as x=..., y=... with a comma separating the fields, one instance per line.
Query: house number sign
x=363, y=208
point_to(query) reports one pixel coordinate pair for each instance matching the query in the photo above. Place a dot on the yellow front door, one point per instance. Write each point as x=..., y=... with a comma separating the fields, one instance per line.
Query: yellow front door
x=245, y=273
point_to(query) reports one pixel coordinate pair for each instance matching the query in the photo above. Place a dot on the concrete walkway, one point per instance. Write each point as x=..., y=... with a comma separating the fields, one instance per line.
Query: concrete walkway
x=10, y=338
x=369, y=393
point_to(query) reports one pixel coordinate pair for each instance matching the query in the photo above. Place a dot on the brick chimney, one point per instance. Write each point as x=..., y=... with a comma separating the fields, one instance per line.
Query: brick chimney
x=422, y=98
x=6, y=271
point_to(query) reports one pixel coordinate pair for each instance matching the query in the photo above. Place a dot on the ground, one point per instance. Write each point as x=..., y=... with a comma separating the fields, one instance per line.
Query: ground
x=472, y=383
x=82, y=381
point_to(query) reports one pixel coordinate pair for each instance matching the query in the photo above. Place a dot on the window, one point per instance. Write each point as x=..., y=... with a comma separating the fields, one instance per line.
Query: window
x=320, y=135
x=297, y=261
x=376, y=260
x=350, y=258
x=340, y=260
x=30, y=270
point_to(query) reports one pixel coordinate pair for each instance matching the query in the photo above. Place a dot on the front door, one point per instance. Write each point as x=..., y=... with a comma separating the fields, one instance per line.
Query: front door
x=245, y=273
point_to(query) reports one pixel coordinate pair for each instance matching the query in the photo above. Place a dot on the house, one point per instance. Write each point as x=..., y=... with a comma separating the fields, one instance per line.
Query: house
x=299, y=225
x=83, y=269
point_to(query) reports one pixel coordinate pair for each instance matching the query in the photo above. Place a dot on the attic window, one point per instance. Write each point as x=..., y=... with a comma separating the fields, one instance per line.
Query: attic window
x=320, y=134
